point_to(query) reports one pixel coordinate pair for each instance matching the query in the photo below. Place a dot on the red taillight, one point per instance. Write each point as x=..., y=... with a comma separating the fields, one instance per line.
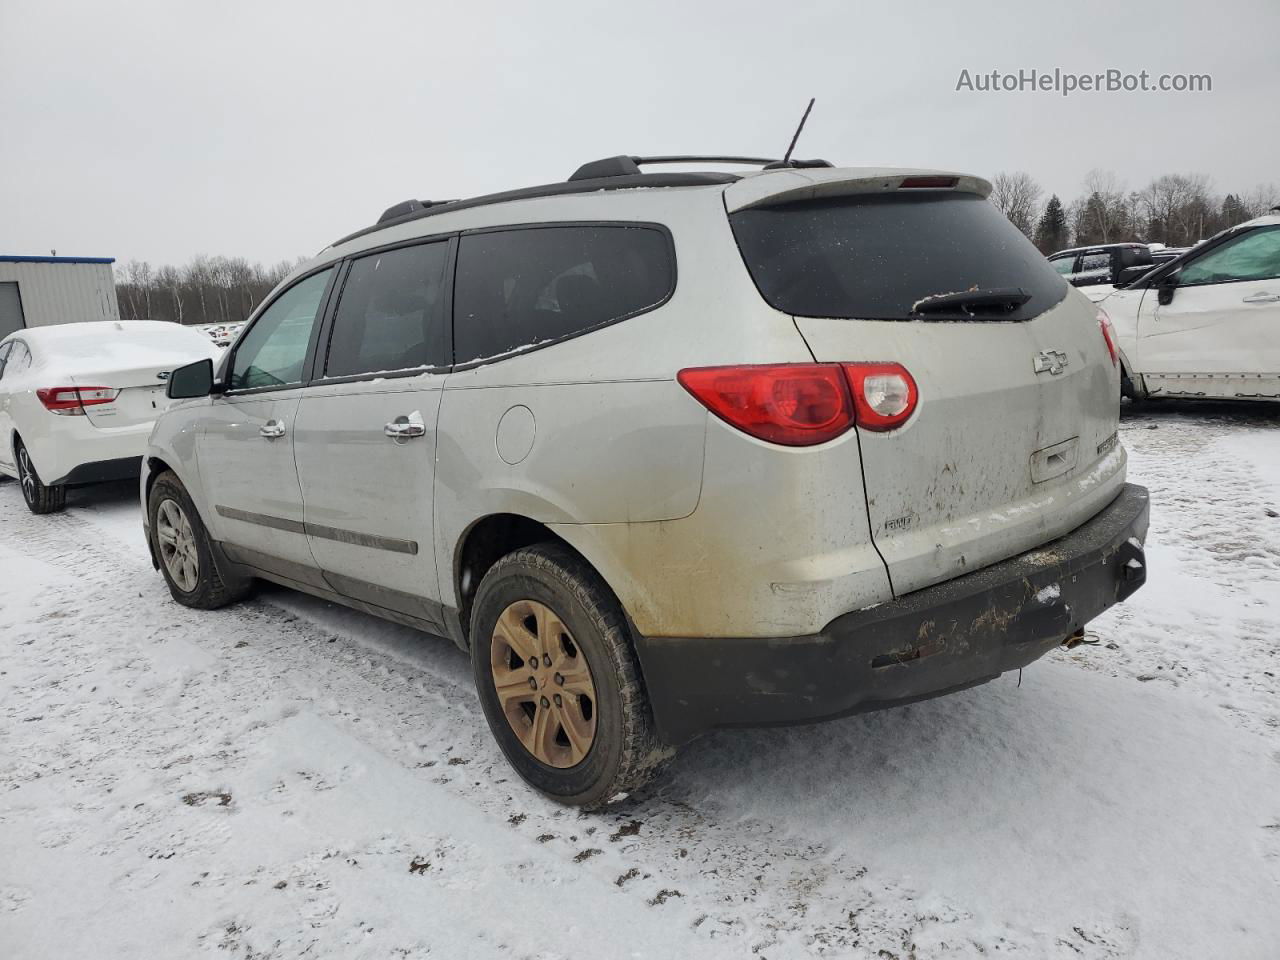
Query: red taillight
x=884, y=394
x=1109, y=335
x=795, y=404
x=802, y=404
x=928, y=183
x=71, y=401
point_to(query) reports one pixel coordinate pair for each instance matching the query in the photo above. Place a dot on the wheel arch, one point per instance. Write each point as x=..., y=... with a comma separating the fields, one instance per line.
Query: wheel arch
x=487, y=540
x=153, y=464
x=1135, y=389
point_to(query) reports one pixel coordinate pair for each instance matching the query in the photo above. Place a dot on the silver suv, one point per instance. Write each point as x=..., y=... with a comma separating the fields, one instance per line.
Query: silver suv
x=669, y=451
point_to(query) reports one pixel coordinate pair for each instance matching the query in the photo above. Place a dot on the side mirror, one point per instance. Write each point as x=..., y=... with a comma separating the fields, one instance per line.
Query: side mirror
x=193, y=380
x=1166, y=287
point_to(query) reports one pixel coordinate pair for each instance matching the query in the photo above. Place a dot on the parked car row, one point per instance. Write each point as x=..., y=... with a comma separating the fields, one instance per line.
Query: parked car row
x=1194, y=323
x=220, y=333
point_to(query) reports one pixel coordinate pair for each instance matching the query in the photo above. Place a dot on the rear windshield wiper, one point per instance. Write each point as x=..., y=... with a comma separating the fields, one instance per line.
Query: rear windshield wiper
x=997, y=301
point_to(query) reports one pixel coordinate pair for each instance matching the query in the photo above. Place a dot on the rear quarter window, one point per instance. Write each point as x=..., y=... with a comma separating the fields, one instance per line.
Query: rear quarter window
x=520, y=288
x=872, y=257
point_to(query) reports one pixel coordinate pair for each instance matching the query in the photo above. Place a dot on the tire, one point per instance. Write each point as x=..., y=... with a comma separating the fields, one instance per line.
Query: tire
x=183, y=550
x=549, y=587
x=39, y=498
x=1126, y=384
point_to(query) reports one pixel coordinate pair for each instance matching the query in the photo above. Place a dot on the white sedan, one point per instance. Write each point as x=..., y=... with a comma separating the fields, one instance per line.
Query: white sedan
x=1207, y=324
x=77, y=401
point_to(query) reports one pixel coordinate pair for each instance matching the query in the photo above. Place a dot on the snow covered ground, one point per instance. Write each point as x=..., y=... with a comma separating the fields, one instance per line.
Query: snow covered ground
x=287, y=779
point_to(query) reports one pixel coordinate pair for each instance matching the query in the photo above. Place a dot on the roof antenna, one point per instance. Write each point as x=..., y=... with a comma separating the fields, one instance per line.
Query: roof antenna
x=786, y=160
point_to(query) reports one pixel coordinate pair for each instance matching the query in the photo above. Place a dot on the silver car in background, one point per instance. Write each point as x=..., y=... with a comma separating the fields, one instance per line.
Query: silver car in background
x=667, y=452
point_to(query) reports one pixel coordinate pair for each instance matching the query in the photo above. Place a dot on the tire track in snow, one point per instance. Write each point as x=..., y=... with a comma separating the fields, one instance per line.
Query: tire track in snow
x=1216, y=630
x=743, y=883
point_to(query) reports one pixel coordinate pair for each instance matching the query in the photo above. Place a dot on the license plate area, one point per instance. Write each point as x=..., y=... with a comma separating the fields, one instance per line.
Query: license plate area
x=1054, y=461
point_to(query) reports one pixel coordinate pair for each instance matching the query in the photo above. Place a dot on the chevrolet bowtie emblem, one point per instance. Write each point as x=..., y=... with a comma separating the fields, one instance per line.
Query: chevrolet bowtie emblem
x=1052, y=362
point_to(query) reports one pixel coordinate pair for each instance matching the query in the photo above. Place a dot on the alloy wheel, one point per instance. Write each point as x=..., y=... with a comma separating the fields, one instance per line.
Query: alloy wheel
x=543, y=684
x=26, y=475
x=177, y=545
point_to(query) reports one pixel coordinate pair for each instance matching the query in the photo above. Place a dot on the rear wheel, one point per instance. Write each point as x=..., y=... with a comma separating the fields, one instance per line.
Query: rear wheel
x=39, y=497
x=558, y=679
x=181, y=545
x=1126, y=384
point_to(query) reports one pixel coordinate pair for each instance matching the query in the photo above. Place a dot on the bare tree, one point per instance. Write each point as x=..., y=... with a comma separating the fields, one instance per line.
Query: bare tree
x=169, y=279
x=1103, y=214
x=1017, y=196
x=206, y=290
x=1260, y=199
x=139, y=274
x=1177, y=208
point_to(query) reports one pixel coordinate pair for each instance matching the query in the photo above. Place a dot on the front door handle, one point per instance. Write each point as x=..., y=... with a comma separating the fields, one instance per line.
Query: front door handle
x=1263, y=298
x=402, y=428
x=272, y=430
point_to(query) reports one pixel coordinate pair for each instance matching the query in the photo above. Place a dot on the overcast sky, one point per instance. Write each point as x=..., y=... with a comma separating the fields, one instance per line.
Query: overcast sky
x=161, y=130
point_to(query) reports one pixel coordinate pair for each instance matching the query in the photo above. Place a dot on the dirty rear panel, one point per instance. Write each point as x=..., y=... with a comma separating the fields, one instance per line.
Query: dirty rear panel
x=1013, y=440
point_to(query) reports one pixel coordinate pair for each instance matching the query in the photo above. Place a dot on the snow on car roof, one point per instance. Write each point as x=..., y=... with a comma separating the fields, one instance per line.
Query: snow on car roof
x=78, y=331
x=117, y=341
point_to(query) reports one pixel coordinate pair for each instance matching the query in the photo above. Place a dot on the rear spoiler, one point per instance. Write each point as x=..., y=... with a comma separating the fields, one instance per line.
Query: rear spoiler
x=787, y=186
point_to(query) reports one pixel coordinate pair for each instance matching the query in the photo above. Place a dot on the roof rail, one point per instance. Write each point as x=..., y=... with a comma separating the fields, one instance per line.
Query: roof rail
x=409, y=206
x=629, y=166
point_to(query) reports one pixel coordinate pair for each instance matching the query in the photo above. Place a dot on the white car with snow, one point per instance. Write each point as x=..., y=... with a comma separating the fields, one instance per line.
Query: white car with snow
x=1207, y=324
x=78, y=400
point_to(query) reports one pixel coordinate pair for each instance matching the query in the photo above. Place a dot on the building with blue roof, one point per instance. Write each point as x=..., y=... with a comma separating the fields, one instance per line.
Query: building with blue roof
x=38, y=291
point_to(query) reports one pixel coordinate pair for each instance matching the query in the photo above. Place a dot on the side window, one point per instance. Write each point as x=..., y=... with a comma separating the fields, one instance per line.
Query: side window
x=391, y=313
x=517, y=288
x=4, y=357
x=1252, y=256
x=1065, y=265
x=1094, y=268
x=273, y=352
x=19, y=358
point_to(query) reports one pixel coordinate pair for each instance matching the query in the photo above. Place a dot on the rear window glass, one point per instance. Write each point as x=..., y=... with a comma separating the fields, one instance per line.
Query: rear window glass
x=519, y=288
x=391, y=313
x=874, y=257
x=113, y=345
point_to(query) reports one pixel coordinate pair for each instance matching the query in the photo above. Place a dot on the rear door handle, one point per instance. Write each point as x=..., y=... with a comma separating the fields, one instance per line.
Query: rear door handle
x=272, y=430
x=1263, y=298
x=403, y=428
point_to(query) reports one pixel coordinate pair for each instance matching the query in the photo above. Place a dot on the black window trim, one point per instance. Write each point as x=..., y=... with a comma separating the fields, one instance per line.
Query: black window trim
x=14, y=344
x=534, y=347
x=321, y=333
x=229, y=363
x=316, y=363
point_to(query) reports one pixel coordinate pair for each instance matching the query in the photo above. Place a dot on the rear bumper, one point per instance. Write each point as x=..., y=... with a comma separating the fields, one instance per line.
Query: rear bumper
x=77, y=450
x=943, y=638
x=101, y=471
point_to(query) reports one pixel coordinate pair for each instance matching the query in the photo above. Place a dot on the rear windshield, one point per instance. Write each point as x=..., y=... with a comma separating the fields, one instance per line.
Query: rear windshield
x=121, y=346
x=874, y=257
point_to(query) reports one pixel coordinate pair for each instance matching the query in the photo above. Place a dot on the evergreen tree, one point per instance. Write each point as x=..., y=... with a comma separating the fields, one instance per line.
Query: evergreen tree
x=1051, y=231
x=1233, y=212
